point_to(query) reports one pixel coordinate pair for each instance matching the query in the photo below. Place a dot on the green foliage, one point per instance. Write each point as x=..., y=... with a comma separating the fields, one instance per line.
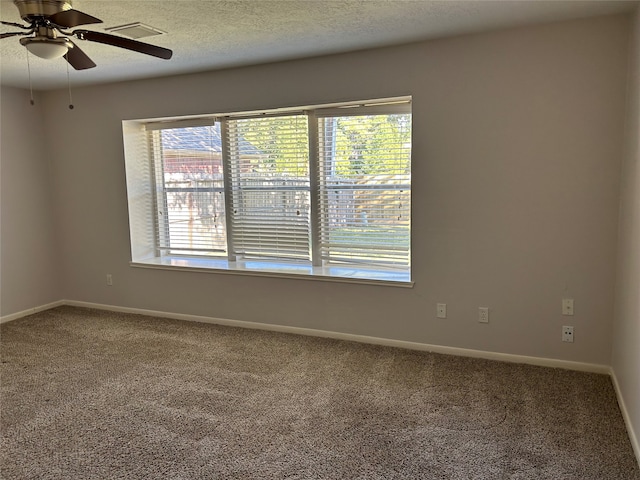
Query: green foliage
x=282, y=143
x=372, y=144
x=357, y=145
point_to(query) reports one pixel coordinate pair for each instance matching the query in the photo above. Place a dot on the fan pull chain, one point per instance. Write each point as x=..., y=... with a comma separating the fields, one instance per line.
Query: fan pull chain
x=30, y=86
x=69, y=85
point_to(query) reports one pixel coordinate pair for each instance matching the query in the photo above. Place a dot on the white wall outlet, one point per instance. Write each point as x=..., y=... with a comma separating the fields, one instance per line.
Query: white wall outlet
x=441, y=310
x=109, y=279
x=567, y=333
x=567, y=306
x=483, y=314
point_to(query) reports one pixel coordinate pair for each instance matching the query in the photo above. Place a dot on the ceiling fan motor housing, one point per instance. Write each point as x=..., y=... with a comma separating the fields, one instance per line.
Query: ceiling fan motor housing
x=47, y=18
x=32, y=9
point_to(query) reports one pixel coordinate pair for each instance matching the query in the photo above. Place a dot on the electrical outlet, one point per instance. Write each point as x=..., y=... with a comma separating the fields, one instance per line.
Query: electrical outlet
x=483, y=314
x=567, y=333
x=441, y=310
x=567, y=306
x=109, y=279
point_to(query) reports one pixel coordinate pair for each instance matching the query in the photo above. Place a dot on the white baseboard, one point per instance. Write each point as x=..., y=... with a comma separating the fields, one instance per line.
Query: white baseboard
x=625, y=414
x=464, y=352
x=31, y=311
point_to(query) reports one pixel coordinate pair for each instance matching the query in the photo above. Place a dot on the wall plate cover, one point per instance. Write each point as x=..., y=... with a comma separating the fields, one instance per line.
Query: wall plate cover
x=567, y=306
x=567, y=333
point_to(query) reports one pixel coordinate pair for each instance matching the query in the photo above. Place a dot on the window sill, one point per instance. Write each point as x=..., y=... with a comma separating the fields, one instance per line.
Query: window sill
x=263, y=268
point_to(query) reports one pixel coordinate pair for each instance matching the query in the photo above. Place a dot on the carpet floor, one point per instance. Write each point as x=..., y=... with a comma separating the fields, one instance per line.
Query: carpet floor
x=88, y=394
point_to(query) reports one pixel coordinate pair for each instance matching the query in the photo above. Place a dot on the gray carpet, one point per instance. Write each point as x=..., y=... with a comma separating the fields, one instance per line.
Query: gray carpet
x=88, y=394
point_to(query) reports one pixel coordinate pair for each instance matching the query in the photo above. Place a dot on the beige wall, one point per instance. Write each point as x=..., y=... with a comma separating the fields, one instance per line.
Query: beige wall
x=626, y=338
x=517, y=148
x=28, y=256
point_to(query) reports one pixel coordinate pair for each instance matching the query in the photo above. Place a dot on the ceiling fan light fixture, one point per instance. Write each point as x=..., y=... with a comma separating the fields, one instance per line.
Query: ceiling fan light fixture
x=47, y=48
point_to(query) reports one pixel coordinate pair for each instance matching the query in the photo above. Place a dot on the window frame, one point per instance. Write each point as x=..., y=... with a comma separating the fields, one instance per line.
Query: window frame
x=142, y=198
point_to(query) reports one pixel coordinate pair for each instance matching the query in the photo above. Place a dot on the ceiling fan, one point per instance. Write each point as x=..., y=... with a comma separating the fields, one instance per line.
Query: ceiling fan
x=46, y=34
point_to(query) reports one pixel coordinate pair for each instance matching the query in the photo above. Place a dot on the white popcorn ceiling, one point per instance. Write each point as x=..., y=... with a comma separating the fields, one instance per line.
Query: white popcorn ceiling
x=214, y=34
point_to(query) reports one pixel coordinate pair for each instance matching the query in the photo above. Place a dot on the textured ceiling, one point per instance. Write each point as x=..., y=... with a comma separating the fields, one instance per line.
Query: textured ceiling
x=213, y=34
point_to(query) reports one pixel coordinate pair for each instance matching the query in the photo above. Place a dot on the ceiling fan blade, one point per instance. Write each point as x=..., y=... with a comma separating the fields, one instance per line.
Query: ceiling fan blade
x=12, y=24
x=78, y=59
x=72, y=18
x=11, y=34
x=122, y=42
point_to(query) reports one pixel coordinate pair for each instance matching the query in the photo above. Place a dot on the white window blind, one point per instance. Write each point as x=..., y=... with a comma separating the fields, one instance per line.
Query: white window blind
x=268, y=172
x=365, y=189
x=325, y=190
x=189, y=190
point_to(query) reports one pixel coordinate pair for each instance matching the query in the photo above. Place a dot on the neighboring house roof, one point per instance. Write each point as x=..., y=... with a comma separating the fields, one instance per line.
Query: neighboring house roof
x=201, y=139
x=204, y=139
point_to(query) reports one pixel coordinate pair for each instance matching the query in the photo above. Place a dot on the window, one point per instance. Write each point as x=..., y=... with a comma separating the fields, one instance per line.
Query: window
x=269, y=186
x=322, y=191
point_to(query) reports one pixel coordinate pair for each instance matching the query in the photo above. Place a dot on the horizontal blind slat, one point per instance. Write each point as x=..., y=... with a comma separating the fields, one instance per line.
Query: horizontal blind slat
x=269, y=168
x=190, y=188
x=365, y=188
